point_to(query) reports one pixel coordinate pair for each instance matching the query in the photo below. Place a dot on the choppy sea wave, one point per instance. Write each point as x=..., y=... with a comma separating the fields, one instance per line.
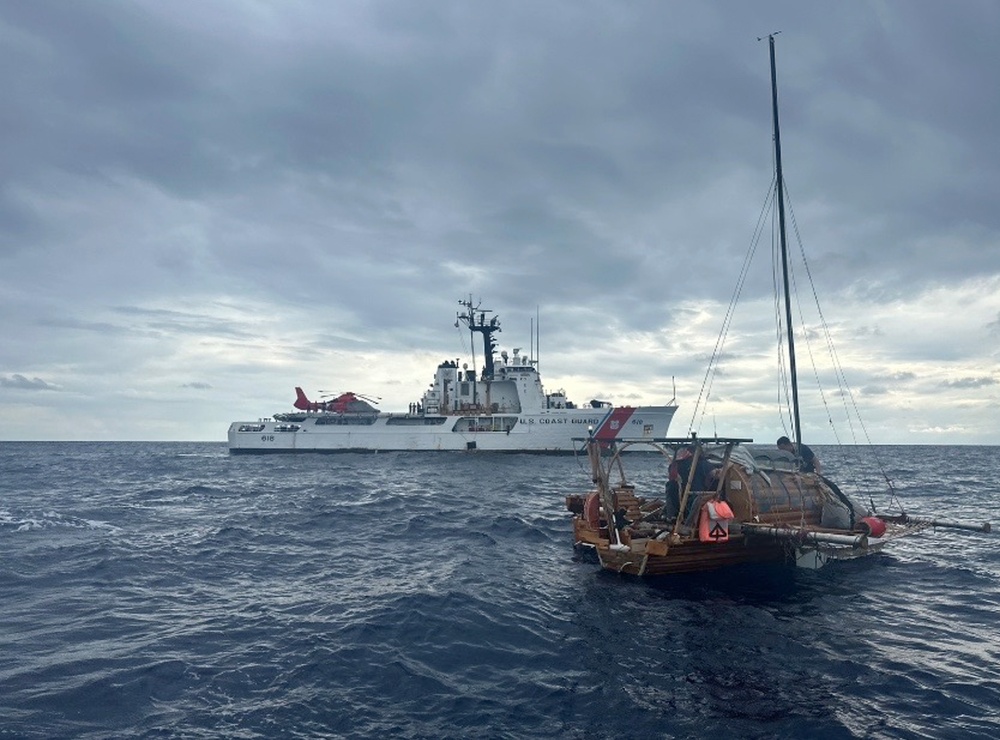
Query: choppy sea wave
x=170, y=590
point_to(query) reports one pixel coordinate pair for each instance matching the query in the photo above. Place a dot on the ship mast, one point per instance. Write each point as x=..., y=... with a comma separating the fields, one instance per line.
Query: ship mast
x=484, y=327
x=797, y=427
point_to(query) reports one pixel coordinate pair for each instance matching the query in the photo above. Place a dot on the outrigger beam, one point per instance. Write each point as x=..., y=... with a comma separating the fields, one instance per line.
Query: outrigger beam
x=984, y=527
x=806, y=536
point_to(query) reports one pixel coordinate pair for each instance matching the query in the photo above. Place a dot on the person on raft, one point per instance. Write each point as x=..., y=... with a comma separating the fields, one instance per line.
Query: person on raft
x=808, y=462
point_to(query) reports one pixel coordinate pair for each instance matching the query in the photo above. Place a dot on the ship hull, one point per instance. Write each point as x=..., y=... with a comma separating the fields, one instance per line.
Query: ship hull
x=552, y=431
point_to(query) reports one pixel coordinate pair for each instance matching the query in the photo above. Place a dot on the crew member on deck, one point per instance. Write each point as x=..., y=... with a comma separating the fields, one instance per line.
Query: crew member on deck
x=681, y=470
x=808, y=462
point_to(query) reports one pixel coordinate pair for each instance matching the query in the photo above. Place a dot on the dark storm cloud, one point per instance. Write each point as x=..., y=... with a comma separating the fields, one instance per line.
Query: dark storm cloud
x=162, y=320
x=76, y=325
x=20, y=382
x=971, y=382
x=528, y=126
x=100, y=87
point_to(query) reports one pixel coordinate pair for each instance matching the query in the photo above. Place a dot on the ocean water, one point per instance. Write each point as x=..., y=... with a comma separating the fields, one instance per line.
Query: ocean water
x=152, y=590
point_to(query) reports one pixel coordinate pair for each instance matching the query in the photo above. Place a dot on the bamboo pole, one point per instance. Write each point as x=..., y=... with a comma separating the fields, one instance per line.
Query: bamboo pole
x=604, y=493
x=686, y=493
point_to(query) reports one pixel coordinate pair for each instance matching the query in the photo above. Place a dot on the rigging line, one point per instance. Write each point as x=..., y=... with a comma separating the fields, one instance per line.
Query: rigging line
x=802, y=320
x=842, y=377
x=845, y=387
x=805, y=332
x=842, y=381
x=712, y=369
x=828, y=337
x=825, y=332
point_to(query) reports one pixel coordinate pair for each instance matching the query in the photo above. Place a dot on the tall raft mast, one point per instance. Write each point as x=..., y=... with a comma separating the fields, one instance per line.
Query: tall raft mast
x=797, y=427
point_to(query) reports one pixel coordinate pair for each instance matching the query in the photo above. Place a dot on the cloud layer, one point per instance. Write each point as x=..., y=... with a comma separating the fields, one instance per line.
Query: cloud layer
x=206, y=204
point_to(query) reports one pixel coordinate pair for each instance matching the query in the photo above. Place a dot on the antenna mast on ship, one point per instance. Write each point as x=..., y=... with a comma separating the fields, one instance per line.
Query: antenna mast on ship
x=484, y=327
x=797, y=430
x=538, y=339
x=535, y=353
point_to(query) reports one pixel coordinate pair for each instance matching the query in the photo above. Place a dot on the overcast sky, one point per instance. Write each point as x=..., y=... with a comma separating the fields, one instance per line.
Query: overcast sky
x=205, y=204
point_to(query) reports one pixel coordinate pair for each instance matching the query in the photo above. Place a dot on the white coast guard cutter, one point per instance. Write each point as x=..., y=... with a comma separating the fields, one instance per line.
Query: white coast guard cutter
x=504, y=409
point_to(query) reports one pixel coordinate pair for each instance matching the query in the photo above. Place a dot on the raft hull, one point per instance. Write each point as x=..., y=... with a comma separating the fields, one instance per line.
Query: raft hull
x=693, y=557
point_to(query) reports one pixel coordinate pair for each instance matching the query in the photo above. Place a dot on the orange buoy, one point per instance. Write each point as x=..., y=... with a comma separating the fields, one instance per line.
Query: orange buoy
x=874, y=525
